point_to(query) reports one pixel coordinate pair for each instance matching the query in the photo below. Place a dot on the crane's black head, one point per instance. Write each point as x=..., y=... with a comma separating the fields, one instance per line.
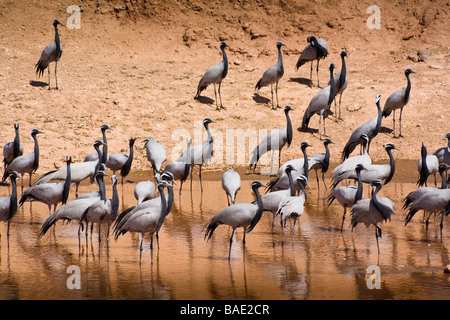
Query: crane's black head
x=207, y=121
x=359, y=167
x=101, y=173
x=223, y=45
x=105, y=127
x=390, y=146
x=163, y=184
x=312, y=40
x=69, y=159
x=114, y=179
x=168, y=176
x=34, y=132
x=408, y=72
x=304, y=145
x=327, y=141
x=257, y=184
x=344, y=54
x=280, y=44
x=364, y=137
x=288, y=108
x=447, y=136
x=98, y=143
x=56, y=22
x=303, y=181
x=377, y=98
x=16, y=125
x=14, y=175
x=377, y=183
x=132, y=140
x=332, y=67
x=289, y=168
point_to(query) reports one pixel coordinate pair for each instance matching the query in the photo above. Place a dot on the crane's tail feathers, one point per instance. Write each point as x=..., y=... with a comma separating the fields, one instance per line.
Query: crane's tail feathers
x=346, y=152
x=84, y=215
x=120, y=219
x=48, y=223
x=386, y=113
x=118, y=233
x=410, y=215
x=305, y=121
x=299, y=63
x=258, y=85
x=40, y=67
x=210, y=229
x=199, y=90
x=330, y=199
x=271, y=184
x=26, y=197
x=406, y=202
x=5, y=175
x=46, y=177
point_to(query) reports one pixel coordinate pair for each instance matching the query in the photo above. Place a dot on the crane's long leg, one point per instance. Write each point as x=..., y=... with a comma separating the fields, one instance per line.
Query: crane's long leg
x=276, y=92
x=48, y=78
x=343, y=218
x=271, y=163
x=340, y=97
x=393, y=123
x=320, y=124
x=271, y=90
x=243, y=245
x=400, y=123
x=191, y=176
x=323, y=179
x=141, y=248
x=273, y=221
x=441, y=225
x=378, y=235
x=310, y=75
x=293, y=226
x=231, y=242
x=426, y=227
x=220, y=97
x=56, y=78
x=215, y=95
x=318, y=85
x=99, y=234
x=200, y=176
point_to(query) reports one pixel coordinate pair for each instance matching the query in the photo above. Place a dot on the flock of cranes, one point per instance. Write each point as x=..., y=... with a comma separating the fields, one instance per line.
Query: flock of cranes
x=285, y=195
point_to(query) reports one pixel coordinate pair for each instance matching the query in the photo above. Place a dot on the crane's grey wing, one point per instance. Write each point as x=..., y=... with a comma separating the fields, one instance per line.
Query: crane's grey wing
x=323, y=43
x=212, y=75
x=394, y=101
x=48, y=55
x=308, y=54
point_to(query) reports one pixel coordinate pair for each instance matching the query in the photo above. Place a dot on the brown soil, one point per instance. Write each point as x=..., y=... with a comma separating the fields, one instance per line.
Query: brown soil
x=135, y=65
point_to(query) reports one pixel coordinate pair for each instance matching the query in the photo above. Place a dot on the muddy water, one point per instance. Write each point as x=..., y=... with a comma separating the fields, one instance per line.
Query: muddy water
x=316, y=262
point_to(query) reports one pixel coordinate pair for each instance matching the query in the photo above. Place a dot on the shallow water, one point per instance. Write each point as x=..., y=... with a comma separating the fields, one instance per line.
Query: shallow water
x=316, y=262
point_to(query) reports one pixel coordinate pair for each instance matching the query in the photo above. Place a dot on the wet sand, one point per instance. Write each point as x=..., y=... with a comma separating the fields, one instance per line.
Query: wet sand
x=317, y=262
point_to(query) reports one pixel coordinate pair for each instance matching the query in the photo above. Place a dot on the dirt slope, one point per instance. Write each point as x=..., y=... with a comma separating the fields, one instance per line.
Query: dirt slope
x=135, y=65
